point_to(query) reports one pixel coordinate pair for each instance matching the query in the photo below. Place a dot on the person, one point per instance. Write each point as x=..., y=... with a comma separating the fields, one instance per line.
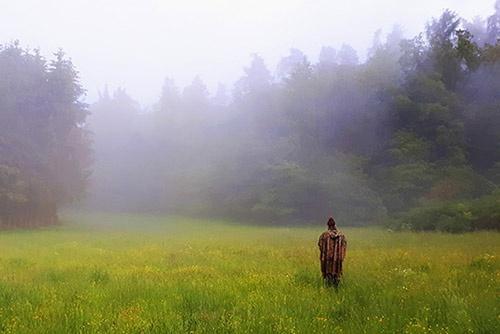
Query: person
x=332, y=246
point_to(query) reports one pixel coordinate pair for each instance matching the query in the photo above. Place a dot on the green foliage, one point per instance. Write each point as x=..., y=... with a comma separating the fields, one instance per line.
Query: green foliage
x=455, y=217
x=481, y=213
x=445, y=125
x=486, y=211
x=408, y=148
x=289, y=193
x=12, y=191
x=405, y=183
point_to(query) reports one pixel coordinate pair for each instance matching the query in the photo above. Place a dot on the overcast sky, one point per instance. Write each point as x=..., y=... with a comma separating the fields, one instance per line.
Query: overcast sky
x=136, y=43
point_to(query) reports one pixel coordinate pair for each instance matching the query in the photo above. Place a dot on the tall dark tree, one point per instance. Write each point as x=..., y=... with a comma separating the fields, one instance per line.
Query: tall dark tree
x=44, y=144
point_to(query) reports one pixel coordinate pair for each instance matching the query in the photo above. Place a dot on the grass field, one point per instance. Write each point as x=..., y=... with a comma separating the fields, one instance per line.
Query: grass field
x=132, y=274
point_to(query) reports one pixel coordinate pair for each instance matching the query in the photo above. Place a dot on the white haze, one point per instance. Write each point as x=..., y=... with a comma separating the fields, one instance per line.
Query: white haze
x=135, y=44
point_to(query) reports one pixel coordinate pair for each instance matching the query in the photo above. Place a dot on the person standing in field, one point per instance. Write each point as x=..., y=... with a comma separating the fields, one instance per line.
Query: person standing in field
x=332, y=246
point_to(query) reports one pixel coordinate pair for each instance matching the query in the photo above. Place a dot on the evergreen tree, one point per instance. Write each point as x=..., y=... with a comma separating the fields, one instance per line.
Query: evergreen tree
x=44, y=143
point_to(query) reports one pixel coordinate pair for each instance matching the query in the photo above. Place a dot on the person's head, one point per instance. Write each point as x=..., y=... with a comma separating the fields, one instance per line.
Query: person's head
x=331, y=223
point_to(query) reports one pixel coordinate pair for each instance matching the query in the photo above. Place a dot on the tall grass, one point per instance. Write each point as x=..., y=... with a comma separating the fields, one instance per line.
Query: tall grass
x=134, y=274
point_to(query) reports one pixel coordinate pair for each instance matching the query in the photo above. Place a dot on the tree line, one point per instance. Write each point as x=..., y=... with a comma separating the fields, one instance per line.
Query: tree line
x=410, y=136
x=414, y=130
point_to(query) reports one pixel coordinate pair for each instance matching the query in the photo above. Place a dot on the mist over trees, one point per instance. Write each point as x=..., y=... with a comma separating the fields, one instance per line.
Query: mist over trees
x=411, y=135
x=414, y=126
x=44, y=146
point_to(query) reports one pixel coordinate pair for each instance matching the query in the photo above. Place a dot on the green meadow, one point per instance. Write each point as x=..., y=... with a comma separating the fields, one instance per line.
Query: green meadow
x=147, y=274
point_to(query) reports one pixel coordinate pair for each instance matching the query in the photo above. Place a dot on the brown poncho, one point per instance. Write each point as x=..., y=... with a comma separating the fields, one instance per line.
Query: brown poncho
x=332, y=245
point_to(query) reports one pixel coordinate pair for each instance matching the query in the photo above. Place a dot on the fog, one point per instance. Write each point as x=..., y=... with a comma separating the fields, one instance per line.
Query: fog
x=265, y=112
x=135, y=44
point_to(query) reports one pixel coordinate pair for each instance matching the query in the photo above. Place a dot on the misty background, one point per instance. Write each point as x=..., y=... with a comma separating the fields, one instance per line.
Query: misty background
x=281, y=112
x=135, y=44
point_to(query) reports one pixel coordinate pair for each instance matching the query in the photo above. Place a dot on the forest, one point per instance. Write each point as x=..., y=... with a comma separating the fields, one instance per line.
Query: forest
x=408, y=137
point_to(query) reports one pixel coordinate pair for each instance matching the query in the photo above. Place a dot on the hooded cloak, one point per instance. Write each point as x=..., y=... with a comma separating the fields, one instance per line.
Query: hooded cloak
x=332, y=245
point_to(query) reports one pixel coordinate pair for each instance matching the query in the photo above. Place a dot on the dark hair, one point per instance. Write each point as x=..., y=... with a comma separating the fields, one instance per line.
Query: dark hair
x=331, y=222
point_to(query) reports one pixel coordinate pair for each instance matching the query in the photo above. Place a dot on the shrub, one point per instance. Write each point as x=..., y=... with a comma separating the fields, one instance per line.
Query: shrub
x=486, y=211
x=482, y=213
